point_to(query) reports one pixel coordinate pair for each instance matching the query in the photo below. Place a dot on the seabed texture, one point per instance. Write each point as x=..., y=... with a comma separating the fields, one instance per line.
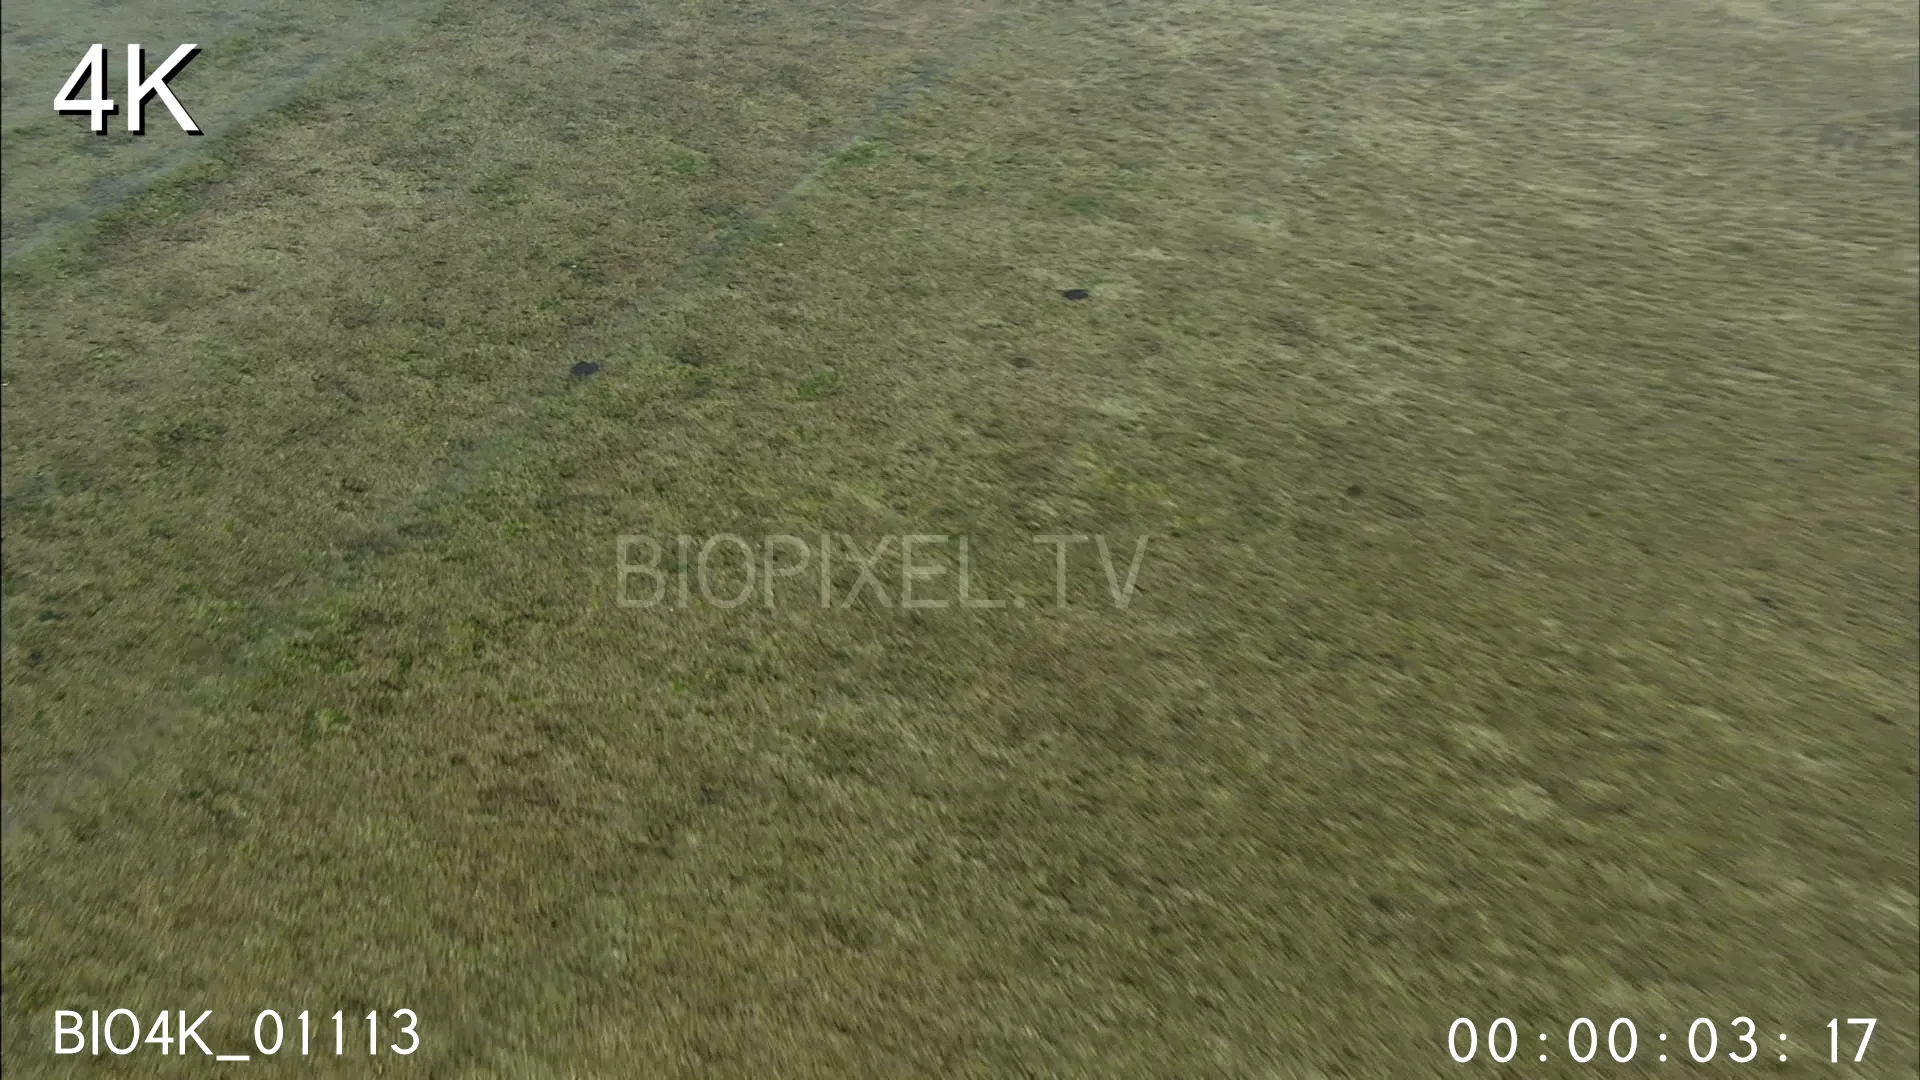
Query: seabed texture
x=1508, y=411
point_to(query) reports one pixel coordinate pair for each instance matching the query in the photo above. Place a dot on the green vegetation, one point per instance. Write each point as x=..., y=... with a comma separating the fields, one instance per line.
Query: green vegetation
x=1519, y=402
x=860, y=152
x=231, y=47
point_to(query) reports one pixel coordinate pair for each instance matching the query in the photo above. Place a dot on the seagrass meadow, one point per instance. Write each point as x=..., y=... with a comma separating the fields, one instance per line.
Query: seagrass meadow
x=1507, y=413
